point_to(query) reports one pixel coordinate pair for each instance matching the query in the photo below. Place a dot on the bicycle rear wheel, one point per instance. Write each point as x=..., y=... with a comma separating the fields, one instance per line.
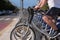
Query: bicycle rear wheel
x=22, y=32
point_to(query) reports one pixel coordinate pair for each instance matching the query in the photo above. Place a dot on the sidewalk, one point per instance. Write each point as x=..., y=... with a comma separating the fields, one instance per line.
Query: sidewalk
x=5, y=33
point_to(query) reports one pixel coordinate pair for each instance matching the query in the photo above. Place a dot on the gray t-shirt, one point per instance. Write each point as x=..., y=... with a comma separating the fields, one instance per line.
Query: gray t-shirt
x=54, y=3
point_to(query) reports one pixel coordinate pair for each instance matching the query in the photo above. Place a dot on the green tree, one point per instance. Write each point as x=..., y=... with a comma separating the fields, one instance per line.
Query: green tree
x=6, y=5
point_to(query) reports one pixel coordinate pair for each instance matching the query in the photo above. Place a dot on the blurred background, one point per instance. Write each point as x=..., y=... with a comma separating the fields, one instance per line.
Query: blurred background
x=14, y=5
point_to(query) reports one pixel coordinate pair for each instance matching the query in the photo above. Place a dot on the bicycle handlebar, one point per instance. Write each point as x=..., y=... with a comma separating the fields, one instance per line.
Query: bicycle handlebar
x=32, y=10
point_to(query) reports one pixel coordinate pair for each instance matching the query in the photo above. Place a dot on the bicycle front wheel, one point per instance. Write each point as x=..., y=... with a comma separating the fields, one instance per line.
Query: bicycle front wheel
x=22, y=32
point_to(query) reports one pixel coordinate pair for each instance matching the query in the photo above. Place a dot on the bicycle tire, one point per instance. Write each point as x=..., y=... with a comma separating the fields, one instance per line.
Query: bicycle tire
x=12, y=32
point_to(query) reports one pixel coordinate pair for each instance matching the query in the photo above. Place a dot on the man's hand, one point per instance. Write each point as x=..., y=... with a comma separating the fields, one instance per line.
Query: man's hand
x=37, y=7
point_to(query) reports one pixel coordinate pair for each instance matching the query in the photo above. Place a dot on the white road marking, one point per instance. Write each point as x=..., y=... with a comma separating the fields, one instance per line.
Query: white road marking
x=14, y=18
x=7, y=19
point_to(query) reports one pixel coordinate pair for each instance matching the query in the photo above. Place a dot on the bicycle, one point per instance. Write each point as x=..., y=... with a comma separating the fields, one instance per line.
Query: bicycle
x=32, y=29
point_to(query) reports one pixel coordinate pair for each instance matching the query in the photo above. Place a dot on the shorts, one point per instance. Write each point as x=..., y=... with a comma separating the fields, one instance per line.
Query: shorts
x=53, y=12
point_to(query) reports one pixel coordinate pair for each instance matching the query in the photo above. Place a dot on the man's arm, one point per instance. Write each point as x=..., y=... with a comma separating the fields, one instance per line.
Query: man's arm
x=41, y=4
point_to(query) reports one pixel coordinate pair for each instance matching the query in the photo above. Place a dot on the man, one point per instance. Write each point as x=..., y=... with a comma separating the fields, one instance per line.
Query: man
x=54, y=10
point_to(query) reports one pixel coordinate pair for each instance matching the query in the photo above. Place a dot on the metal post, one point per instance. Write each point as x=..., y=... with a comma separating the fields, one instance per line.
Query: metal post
x=21, y=9
x=22, y=5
